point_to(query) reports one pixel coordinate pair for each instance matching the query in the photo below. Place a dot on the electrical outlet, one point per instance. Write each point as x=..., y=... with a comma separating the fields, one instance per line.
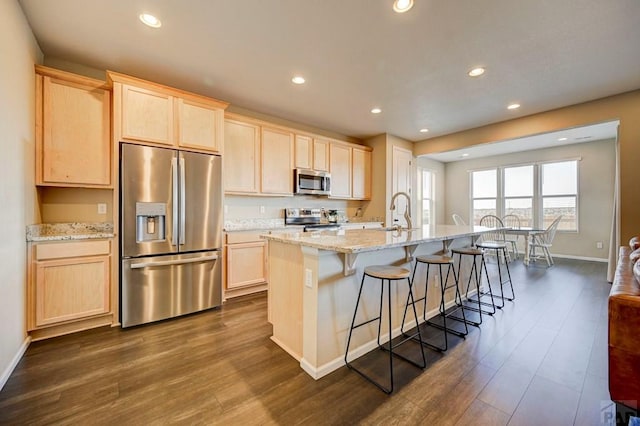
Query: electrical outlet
x=308, y=277
x=599, y=244
x=436, y=280
x=261, y=209
x=226, y=209
x=102, y=208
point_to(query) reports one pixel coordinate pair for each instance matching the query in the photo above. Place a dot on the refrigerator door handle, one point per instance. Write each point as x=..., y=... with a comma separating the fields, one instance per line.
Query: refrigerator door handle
x=174, y=262
x=182, y=200
x=174, y=201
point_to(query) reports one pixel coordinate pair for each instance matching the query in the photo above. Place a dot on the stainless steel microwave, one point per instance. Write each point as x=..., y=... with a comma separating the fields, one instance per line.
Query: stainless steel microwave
x=311, y=182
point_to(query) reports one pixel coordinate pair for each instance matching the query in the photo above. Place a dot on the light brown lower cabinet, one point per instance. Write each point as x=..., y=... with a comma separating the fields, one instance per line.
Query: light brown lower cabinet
x=69, y=286
x=246, y=267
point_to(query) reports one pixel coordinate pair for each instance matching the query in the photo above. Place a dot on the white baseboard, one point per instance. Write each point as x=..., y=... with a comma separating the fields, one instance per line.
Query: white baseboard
x=14, y=362
x=569, y=256
x=338, y=362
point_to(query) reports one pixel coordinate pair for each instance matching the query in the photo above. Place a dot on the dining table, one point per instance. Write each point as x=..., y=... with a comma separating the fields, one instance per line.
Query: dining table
x=528, y=232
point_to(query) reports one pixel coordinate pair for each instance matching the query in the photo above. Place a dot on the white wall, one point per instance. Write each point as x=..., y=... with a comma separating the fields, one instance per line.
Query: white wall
x=18, y=53
x=596, y=179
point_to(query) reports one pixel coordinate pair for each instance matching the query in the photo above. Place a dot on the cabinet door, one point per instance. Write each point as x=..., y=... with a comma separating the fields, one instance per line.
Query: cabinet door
x=321, y=155
x=303, y=152
x=277, y=170
x=147, y=115
x=340, y=162
x=241, y=157
x=199, y=126
x=71, y=288
x=75, y=141
x=361, y=180
x=246, y=264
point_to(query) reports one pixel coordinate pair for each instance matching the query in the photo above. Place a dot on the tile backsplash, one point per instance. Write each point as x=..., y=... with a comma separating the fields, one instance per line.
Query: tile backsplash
x=240, y=207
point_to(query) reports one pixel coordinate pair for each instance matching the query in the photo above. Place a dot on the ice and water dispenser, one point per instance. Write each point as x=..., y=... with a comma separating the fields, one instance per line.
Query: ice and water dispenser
x=150, y=222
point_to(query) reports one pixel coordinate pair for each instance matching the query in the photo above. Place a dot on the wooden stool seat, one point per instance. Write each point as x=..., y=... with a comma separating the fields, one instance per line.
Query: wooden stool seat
x=435, y=259
x=471, y=251
x=387, y=272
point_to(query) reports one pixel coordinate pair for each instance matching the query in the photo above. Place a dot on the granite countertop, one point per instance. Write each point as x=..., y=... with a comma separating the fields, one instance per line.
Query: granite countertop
x=362, y=240
x=69, y=231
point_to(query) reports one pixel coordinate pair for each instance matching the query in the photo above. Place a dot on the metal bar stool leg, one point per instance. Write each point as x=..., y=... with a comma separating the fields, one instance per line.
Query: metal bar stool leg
x=388, y=274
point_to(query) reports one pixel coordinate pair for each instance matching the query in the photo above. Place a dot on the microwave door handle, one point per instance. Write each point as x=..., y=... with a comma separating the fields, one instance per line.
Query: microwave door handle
x=182, y=200
x=174, y=200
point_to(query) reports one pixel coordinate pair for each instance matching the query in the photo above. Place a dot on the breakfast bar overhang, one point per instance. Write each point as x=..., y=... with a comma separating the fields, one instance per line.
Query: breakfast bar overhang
x=314, y=280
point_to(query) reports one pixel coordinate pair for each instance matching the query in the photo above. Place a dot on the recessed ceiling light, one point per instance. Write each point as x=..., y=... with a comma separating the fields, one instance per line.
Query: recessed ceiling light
x=150, y=20
x=513, y=106
x=401, y=6
x=464, y=155
x=424, y=130
x=376, y=111
x=476, y=72
x=298, y=79
x=562, y=139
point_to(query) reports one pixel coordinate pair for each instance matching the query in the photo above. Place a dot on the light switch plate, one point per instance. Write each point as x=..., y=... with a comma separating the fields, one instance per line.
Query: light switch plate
x=102, y=208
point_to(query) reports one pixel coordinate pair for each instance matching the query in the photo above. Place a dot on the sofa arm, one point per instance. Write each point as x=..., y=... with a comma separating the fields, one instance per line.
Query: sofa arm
x=624, y=334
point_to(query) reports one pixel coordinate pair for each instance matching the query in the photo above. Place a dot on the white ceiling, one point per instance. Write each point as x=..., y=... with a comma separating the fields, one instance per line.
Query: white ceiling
x=357, y=54
x=594, y=132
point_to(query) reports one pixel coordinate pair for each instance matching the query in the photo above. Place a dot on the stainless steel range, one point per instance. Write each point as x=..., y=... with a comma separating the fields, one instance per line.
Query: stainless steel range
x=312, y=219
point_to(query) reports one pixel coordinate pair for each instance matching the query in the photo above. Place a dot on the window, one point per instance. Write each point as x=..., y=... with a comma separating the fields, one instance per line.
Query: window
x=536, y=193
x=518, y=193
x=560, y=194
x=426, y=182
x=484, y=193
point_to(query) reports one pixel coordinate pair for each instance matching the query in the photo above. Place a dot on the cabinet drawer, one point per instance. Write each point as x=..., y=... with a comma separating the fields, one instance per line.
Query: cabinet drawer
x=72, y=249
x=244, y=237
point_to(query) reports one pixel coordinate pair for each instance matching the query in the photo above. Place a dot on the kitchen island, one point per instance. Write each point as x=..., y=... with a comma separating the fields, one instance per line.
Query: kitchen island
x=314, y=280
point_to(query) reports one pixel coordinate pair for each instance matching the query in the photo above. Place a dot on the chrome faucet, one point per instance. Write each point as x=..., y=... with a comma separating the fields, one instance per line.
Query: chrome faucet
x=407, y=212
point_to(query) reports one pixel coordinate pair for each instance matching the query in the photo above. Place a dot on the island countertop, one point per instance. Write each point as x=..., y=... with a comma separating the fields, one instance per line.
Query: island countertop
x=363, y=240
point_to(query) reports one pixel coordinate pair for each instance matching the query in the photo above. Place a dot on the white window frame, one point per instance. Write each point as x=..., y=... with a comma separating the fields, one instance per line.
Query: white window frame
x=541, y=197
x=537, y=205
x=496, y=198
x=421, y=197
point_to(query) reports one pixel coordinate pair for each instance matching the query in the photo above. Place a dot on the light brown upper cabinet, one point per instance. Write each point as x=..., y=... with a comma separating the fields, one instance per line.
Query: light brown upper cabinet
x=147, y=115
x=340, y=168
x=241, y=157
x=303, y=148
x=156, y=114
x=321, y=155
x=200, y=126
x=311, y=153
x=277, y=165
x=361, y=174
x=72, y=130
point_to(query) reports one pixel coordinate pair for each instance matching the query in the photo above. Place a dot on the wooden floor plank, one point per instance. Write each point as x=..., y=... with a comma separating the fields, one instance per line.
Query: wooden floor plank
x=220, y=367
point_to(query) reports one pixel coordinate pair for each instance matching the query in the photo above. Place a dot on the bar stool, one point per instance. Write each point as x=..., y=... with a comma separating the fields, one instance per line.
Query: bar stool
x=440, y=261
x=388, y=273
x=476, y=276
x=501, y=249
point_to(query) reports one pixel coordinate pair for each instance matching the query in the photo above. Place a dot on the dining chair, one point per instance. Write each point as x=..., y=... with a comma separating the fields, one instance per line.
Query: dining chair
x=512, y=221
x=457, y=219
x=497, y=236
x=544, y=240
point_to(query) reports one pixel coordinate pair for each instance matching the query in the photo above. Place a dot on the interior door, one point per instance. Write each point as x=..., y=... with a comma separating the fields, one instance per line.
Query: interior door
x=200, y=201
x=402, y=178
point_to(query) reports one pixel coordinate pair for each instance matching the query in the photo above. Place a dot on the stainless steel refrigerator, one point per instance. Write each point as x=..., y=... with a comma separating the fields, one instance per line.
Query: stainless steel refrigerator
x=170, y=233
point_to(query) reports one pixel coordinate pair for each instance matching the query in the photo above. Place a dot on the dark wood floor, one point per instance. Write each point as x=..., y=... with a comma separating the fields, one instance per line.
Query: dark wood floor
x=541, y=360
